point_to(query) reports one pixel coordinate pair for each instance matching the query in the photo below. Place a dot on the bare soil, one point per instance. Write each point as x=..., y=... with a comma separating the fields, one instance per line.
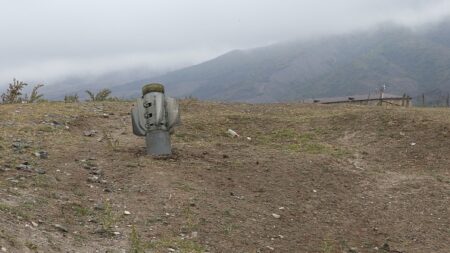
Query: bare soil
x=310, y=178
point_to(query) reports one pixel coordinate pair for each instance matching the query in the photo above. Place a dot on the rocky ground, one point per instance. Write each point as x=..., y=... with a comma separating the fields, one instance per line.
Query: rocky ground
x=300, y=178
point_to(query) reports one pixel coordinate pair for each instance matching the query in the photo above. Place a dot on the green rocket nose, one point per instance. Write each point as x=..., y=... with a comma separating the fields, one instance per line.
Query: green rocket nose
x=152, y=87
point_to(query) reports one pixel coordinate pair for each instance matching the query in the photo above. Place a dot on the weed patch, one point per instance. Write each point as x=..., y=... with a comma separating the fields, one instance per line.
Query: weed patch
x=136, y=245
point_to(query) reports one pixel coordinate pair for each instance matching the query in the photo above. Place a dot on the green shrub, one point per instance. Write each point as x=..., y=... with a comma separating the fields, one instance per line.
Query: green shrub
x=71, y=98
x=14, y=92
x=35, y=96
x=102, y=95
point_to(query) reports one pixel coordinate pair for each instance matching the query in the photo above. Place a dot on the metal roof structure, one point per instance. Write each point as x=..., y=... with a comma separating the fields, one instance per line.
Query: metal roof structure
x=354, y=98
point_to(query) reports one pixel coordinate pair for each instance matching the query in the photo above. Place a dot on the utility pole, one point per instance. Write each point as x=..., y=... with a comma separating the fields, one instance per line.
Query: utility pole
x=382, y=89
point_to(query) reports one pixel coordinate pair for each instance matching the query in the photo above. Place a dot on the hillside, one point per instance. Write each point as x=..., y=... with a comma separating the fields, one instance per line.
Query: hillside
x=312, y=178
x=409, y=61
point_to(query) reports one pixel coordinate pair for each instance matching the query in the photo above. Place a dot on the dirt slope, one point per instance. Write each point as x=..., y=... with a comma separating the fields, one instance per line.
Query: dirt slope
x=311, y=179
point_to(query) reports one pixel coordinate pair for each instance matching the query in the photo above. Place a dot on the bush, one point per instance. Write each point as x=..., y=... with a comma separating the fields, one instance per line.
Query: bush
x=102, y=95
x=71, y=98
x=35, y=96
x=14, y=92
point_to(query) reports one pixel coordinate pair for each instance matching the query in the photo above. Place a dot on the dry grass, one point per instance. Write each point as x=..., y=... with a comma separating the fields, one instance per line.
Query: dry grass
x=357, y=176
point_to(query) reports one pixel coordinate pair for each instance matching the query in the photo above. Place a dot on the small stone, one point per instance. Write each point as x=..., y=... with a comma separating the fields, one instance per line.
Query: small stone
x=34, y=224
x=270, y=248
x=41, y=154
x=89, y=133
x=194, y=234
x=96, y=172
x=92, y=220
x=24, y=167
x=171, y=249
x=281, y=208
x=19, y=145
x=276, y=216
x=4, y=249
x=61, y=228
x=116, y=233
x=232, y=133
x=99, y=207
x=100, y=231
x=40, y=171
x=93, y=179
x=56, y=123
x=353, y=250
x=126, y=212
x=105, y=115
x=88, y=167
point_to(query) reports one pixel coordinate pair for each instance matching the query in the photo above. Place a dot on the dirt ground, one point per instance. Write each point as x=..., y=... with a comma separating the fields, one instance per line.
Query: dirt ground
x=310, y=178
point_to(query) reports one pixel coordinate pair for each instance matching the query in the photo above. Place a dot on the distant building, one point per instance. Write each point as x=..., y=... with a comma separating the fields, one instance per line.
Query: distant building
x=388, y=99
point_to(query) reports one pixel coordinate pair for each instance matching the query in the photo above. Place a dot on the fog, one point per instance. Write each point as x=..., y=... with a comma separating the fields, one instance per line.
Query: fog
x=46, y=40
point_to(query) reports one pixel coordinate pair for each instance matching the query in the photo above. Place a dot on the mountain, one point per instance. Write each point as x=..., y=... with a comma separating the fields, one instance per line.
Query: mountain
x=412, y=61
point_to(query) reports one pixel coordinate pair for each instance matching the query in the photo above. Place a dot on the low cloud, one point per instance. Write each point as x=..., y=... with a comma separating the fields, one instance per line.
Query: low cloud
x=46, y=40
x=52, y=70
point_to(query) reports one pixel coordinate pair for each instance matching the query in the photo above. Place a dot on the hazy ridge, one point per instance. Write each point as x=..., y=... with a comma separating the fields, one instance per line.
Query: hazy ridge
x=408, y=61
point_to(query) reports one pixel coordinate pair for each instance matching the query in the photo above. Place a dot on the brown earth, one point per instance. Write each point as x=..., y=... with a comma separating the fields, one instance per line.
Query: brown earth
x=311, y=179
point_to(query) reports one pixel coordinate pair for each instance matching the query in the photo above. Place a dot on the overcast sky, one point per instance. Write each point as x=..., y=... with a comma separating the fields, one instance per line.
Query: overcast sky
x=44, y=40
